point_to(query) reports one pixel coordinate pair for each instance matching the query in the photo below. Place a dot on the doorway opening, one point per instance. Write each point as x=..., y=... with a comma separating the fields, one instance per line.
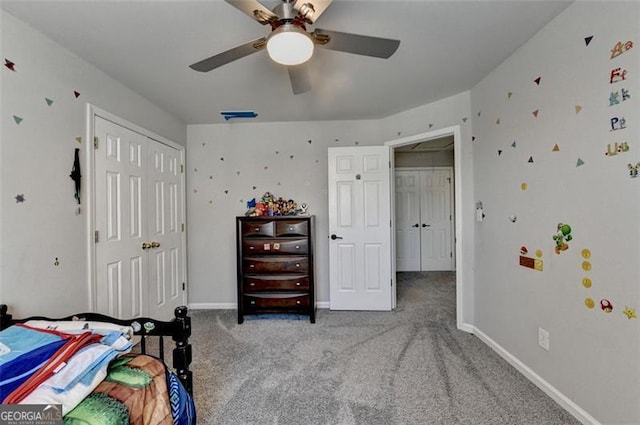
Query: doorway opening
x=442, y=140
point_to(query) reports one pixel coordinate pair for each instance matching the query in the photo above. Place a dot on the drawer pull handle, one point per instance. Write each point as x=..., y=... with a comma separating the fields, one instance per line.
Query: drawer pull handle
x=297, y=265
x=257, y=229
x=252, y=247
x=253, y=303
x=251, y=266
x=290, y=228
x=297, y=302
x=297, y=246
x=252, y=284
x=297, y=283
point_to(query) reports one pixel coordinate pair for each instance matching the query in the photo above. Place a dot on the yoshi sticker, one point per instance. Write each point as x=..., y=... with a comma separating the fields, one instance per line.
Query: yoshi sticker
x=562, y=236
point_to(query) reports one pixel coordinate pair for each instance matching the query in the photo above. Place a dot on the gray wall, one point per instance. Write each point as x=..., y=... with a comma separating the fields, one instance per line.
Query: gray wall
x=593, y=355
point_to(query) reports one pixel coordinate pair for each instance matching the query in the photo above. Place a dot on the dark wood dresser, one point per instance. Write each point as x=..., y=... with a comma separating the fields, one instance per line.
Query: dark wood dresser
x=275, y=265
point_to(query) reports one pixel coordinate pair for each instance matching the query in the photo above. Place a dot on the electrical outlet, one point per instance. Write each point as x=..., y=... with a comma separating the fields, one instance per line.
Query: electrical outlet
x=543, y=338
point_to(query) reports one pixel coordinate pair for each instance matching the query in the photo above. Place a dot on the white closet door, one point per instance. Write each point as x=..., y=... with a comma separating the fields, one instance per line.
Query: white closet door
x=139, y=248
x=436, y=220
x=121, y=216
x=407, y=194
x=164, y=229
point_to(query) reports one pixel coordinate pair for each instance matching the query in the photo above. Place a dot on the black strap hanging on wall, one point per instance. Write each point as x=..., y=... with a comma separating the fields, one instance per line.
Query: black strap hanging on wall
x=75, y=174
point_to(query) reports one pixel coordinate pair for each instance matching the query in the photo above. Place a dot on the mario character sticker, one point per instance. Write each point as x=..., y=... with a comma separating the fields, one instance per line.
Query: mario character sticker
x=562, y=236
x=606, y=305
x=529, y=262
x=629, y=312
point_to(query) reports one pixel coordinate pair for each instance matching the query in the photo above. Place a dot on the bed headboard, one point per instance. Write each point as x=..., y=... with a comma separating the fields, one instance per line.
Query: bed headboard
x=179, y=329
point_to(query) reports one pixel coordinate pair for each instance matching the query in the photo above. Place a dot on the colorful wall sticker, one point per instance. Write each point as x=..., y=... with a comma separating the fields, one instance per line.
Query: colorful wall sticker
x=513, y=145
x=523, y=186
x=589, y=302
x=586, y=282
x=621, y=48
x=562, y=236
x=20, y=198
x=578, y=108
x=615, y=97
x=530, y=262
x=49, y=101
x=606, y=305
x=617, y=148
x=513, y=218
x=509, y=94
x=536, y=112
x=556, y=148
x=76, y=94
x=629, y=312
x=617, y=74
x=530, y=160
x=579, y=163
x=618, y=123
x=56, y=262
x=537, y=80
x=10, y=65
x=79, y=139
x=17, y=119
x=587, y=40
x=633, y=170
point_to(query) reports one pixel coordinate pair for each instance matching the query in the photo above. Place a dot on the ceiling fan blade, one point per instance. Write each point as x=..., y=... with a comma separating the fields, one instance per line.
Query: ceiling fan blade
x=299, y=76
x=230, y=55
x=255, y=10
x=311, y=9
x=357, y=44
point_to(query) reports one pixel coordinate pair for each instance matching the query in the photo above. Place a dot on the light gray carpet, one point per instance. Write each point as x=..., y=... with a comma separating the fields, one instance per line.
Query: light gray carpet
x=409, y=366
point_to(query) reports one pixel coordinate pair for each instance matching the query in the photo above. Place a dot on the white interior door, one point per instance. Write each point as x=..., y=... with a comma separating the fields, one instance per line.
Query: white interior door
x=360, y=228
x=407, y=215
x=436, y=220
x=164, y=229
x=138, y=221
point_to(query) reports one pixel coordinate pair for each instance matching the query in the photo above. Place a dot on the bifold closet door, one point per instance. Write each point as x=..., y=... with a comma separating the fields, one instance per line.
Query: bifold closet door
x=138, y=244
x=424, y=220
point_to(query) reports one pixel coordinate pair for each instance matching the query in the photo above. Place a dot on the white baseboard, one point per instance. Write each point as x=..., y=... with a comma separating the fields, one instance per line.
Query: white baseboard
x=213, y=306
x=234, y=306
x=571, y=407
x=465, y=327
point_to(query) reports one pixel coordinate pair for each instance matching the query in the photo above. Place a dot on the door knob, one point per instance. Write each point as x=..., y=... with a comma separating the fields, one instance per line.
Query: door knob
x=146, y=245
x=334, y=237
x=426, y=225
x=155, y=244
x=416, y=225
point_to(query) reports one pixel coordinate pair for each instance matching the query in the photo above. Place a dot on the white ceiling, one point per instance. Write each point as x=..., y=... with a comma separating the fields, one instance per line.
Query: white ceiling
x=446, y=48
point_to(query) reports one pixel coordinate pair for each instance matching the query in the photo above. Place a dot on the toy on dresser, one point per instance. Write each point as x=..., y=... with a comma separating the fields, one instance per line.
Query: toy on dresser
x=270, y=206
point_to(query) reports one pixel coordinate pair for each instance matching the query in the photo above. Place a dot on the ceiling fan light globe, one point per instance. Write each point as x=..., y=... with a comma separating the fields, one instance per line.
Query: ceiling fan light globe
x=289, y=45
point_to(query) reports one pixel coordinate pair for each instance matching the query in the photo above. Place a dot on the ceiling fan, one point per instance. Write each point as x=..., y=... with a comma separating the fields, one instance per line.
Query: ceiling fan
x=289, y=42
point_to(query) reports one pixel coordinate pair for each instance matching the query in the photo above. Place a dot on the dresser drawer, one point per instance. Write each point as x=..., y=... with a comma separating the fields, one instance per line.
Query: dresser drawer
x=275, y=246
x=258, y=228
x=276, y=283
x=275, y=264
x=292, y=228
x=275, y=302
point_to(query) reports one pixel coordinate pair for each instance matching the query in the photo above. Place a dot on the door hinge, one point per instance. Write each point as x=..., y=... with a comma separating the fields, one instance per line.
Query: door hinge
x=451, y=254
x=184, y=286
x=96, y=236
x=181, y=168
x=95, y=142
x=389, y=164
x=391, y=282
x=449, y=217
x=182, y=227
